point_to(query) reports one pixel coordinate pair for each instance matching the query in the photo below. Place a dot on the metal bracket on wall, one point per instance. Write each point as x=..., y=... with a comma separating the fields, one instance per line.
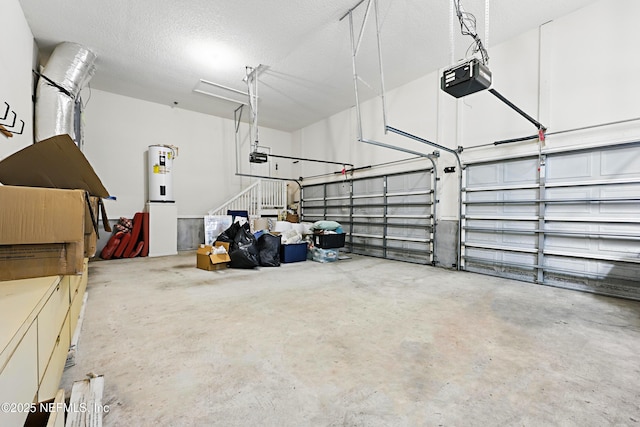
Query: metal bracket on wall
x=6, y=128
x=6, y=111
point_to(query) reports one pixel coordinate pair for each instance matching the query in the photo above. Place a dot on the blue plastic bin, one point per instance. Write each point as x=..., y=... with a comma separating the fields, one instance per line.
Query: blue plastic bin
x=293, y=253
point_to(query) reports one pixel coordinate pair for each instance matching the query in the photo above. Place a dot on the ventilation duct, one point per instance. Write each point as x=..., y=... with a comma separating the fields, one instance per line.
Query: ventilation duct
x=69, y=69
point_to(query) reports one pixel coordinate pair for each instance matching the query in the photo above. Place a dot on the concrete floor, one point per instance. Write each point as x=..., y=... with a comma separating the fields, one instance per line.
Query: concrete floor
x=360, y=342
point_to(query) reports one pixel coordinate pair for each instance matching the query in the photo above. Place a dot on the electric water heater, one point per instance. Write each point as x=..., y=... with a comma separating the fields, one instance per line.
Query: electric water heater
x=160, y=173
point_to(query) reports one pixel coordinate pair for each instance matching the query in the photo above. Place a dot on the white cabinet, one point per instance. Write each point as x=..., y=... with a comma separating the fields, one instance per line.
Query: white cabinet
x=37, y=319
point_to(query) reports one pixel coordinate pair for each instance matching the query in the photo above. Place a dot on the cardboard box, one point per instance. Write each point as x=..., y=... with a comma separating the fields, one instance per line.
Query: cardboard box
x=90, y=233
x=206, y=260
x=295, y=218
x=42, y=232
x=55, y=163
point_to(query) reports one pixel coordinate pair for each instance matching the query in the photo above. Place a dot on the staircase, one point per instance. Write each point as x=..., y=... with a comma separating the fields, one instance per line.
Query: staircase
x=265, y=197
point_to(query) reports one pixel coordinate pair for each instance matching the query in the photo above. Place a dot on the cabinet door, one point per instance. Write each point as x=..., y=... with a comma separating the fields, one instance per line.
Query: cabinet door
x=77, y=281
x=50, y=321
x=53, y=373
x=56, y=418
x=76, y=302
x=20, y=302
x=19, y=379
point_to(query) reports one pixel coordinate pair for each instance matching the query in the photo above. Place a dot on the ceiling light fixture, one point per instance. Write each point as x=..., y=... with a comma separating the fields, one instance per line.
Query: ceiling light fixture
x=226, y=93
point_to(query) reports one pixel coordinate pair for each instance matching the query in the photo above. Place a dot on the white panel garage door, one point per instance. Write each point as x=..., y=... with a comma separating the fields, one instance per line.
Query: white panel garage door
x=573, y=223
x=388, y=216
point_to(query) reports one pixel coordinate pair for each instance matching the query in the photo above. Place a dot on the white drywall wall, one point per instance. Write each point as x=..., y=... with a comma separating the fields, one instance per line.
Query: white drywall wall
x=15, y=75
x=412, y=108
x=576, y=71
x=590, y=71
x=119, y=130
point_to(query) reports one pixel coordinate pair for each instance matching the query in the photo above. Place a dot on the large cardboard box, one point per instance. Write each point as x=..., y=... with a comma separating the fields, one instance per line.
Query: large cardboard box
x=206, y=260
x=41, y=232
x=55, y=163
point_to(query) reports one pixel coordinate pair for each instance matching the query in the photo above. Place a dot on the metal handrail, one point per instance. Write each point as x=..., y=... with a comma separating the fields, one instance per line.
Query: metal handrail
x=262, y=194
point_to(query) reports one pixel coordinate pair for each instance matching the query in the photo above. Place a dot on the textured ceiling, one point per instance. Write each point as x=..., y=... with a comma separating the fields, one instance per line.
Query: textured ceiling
x=158, y=50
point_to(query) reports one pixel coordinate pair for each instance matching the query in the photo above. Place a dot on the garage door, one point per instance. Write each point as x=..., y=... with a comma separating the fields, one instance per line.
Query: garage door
x=572, y=223
x=389, y=216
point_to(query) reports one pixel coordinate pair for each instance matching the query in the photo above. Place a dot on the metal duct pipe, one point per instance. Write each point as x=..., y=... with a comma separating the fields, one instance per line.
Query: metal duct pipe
x=69, y=69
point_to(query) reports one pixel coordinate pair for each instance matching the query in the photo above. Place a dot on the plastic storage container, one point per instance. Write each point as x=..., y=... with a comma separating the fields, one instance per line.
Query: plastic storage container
x=295, y=252
x=324, y=255
x=329, y=241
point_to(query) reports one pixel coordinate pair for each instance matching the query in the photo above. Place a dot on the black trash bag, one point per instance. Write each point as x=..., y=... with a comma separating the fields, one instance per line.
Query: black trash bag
x=269, y=249
x=229, y=235
x=244, y=249
x=244, y=236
